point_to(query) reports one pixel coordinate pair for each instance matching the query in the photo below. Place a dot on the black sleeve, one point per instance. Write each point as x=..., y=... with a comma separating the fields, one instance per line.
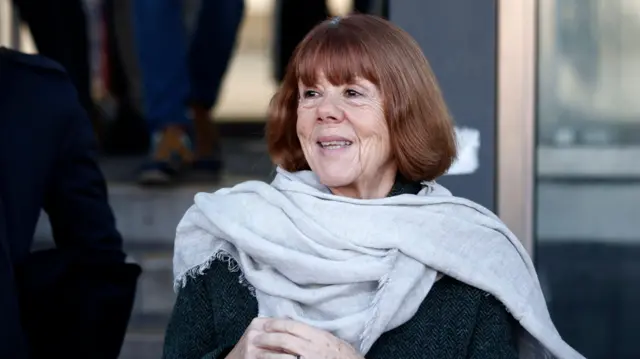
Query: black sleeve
x=495, y=333
x=76, y=197
x=190, y=333
x=12, y=341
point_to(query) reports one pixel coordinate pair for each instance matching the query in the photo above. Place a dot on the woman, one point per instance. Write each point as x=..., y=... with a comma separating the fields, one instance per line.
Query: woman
x=353, y=250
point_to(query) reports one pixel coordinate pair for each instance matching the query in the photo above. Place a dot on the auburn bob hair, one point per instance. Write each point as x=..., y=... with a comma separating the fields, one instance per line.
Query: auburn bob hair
x=420, y=127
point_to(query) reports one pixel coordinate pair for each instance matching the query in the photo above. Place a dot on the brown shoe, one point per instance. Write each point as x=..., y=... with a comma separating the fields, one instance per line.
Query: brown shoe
x=171, y=153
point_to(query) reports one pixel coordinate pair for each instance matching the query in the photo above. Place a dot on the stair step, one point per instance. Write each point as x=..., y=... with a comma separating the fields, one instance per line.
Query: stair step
x=144, y=215
x=155, y=296
x=148, y=323
x=142, y=346
x=149, y=215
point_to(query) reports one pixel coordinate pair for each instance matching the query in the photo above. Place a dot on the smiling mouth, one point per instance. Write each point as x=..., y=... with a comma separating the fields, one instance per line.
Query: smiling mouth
x=334, y=145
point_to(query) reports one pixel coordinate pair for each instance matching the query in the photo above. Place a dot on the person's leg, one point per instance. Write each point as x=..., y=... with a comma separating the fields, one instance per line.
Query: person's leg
x=161, y=45
x=126, y=43
x=211, y=49
x=117, y=82
x=162, y=52
x=295, y=19
x=127, y=133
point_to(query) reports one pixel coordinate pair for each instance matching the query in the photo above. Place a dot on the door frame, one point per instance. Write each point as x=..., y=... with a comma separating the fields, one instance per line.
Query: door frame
x=516, y=106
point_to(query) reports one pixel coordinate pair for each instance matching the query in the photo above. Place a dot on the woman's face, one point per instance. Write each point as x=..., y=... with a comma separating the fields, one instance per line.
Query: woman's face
x=345, y=139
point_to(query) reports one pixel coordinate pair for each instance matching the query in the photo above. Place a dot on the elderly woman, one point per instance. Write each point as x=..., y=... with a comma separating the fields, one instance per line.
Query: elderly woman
x=353, y=250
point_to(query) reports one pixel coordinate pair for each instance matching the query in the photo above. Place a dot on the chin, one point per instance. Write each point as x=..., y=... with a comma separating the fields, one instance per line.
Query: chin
x=330, y=179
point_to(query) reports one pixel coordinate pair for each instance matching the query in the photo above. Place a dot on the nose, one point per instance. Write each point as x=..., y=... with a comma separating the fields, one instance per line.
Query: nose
x=329, y=111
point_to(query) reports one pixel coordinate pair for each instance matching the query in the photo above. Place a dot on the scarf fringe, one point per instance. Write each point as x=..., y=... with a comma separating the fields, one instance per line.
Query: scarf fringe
x=382, y=286
x=222, y=256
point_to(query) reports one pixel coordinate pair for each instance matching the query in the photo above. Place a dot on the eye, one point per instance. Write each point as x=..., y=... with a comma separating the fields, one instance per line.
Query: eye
x=352, y=93
x=309, y=94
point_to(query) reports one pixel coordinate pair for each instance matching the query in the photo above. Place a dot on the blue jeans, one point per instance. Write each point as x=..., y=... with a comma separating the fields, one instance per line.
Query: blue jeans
x=177, y=71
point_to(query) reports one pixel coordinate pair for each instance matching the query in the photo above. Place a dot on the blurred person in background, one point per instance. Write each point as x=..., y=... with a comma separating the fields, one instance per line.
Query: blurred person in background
x=72, y=301
x=127, y=133
x=181, y=80
x=353, y=249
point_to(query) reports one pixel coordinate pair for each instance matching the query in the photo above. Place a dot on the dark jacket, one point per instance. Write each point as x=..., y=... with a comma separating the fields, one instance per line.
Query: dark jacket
x=80, y=294
x=455, y=320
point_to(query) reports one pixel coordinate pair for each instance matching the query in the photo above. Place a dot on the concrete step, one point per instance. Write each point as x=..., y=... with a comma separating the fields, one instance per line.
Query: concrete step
x=152, y=307
x=149, y=216
x=155, y=296
x=142, y=346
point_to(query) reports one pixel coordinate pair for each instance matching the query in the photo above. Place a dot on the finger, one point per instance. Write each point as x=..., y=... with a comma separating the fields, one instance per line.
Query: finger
x=292, y=327
x=265, y=354
x=282, y=342
x=258, y=323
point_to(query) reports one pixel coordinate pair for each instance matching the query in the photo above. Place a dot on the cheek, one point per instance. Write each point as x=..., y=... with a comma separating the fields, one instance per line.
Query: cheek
x=373, y=128
x=380, y=128
x=303, y=125
x=374, y=135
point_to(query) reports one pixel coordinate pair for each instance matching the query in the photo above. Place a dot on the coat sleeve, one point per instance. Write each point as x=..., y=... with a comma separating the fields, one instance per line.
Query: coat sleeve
x=190, y=333
x=495, y=333
x=12, y=343
x=76, y=197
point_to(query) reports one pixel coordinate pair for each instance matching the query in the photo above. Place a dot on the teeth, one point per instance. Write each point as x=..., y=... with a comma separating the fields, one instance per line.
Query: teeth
x=332, y=145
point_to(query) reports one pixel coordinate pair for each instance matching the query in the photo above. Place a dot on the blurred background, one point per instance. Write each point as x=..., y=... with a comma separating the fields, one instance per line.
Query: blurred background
x=551, y=86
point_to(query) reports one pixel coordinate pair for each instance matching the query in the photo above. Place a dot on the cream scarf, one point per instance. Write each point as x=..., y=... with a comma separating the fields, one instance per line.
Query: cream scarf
x=359, y=268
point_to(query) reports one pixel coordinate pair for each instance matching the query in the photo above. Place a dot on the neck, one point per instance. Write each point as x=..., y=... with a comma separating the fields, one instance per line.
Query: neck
x=377, y=186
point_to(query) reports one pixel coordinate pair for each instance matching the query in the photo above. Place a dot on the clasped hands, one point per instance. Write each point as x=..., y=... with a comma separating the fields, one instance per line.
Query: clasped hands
x=269, y=338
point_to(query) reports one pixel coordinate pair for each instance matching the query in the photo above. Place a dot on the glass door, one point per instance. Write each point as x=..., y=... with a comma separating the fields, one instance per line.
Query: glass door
x=587, y=240
x=569, y=161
